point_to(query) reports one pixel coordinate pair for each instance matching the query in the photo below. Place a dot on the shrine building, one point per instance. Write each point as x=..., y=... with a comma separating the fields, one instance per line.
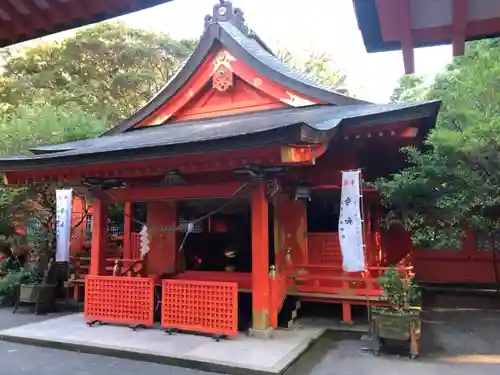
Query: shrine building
x=232, y=173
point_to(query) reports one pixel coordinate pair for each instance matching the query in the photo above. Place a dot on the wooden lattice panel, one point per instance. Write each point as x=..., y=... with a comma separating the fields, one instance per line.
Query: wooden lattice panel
x=127, y=300
x=200, y=306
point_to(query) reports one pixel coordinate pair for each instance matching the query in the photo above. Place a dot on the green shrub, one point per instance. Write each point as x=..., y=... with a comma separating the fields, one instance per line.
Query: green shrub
x=10, y=283
x=400, y=290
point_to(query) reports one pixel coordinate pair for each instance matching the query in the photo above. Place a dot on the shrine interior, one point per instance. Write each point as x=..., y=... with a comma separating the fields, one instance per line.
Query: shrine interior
x=323, y=211
x=221, y=240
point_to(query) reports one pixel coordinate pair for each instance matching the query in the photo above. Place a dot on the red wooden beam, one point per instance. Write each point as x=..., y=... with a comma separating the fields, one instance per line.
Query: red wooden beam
x=174, y=192
x=405, y=28
x=210, y=162
x=42, y=14
x=459, y=25
x=73, y=10
x=17, y=25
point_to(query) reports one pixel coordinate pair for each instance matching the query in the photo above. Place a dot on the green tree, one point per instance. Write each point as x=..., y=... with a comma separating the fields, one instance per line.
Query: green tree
x=28, y=126
x=318, y=66
x=108, y=70
x=409, y=87
x=454, y=183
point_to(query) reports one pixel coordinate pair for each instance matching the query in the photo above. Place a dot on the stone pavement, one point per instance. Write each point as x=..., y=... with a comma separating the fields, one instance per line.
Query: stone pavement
x=460, y=336
x=348, y=358
x=34, y=360
x=456, y=341
x=240, y=355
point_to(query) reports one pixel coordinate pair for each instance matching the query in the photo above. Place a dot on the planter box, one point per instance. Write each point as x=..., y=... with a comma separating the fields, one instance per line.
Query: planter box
x=41, y=296
x=392, y=326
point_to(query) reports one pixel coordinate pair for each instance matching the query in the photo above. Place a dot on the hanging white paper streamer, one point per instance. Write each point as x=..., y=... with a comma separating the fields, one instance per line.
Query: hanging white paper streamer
x=64, y=206
x=144, y=240
x=350, y=224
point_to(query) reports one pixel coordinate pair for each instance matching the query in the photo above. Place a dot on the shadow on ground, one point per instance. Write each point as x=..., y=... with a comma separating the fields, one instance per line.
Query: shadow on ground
x=460, y=336
x=462, y=328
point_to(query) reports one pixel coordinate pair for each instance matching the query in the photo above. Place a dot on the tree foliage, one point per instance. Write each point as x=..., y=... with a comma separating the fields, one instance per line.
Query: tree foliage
x=318, y=66
x=454, y=182
x=108, y=70
x=27, y=126
x=410, y=87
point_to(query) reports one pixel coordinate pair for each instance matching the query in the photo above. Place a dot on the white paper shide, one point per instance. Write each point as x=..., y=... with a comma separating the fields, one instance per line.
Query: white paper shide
x=350, y=223
x=64, y=205
x=144, y=240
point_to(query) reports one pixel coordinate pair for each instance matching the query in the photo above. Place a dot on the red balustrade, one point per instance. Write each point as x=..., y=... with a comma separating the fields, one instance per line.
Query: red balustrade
x=125, y=300
x=200, y=306
x=134, y=266
x=334, y=281
x=278, y=292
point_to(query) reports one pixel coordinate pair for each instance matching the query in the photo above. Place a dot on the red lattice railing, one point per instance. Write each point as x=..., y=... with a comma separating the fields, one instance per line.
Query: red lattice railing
x=200, y=306
x=127, y=300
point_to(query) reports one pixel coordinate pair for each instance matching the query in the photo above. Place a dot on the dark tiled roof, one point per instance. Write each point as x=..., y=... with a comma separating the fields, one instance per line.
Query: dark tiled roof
x=249, y=48
x=278, y=126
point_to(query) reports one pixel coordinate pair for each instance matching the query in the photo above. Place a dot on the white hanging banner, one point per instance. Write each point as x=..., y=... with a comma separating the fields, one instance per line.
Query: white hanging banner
x=64, y=207
x=350, y=223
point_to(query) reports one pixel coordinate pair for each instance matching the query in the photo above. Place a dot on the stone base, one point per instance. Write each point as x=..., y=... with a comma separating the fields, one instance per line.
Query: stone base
x=241, y=355
x=347, y=323
x=261, y=333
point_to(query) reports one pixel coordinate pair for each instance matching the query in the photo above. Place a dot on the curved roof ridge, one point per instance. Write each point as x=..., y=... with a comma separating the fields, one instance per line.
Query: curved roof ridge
x=227, y=26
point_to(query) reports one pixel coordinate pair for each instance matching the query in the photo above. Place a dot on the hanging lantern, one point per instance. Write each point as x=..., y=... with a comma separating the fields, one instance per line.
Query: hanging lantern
x=302, y=192
x=272, y=272
x=288, y=256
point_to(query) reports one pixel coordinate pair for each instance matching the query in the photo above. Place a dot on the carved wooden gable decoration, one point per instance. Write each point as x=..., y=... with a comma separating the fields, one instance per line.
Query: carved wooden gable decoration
x=230, y=71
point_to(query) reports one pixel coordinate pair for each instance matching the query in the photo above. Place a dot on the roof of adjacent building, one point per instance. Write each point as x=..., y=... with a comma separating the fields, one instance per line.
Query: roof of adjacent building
x=248, y=130
x=367, y=15
x=25, y=20
x=231, y=31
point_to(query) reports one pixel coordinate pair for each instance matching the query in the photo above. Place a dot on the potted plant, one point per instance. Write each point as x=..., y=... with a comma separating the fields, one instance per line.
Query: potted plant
x=400, y=320
x=39, y=288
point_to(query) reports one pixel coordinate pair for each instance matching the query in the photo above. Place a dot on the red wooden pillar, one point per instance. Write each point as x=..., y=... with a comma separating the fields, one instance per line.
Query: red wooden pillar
x=161, y=257
x=377, y=237
x=405, y=29
x=127, y=231
x=99, y=241
x=78, y=233
x=260, y=260
x=367, y=230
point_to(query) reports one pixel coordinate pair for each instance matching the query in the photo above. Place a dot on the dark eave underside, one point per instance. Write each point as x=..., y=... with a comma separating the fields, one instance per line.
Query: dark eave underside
x=35, y=19
x=369, y=25
x=249, y=50
x=273, y=127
